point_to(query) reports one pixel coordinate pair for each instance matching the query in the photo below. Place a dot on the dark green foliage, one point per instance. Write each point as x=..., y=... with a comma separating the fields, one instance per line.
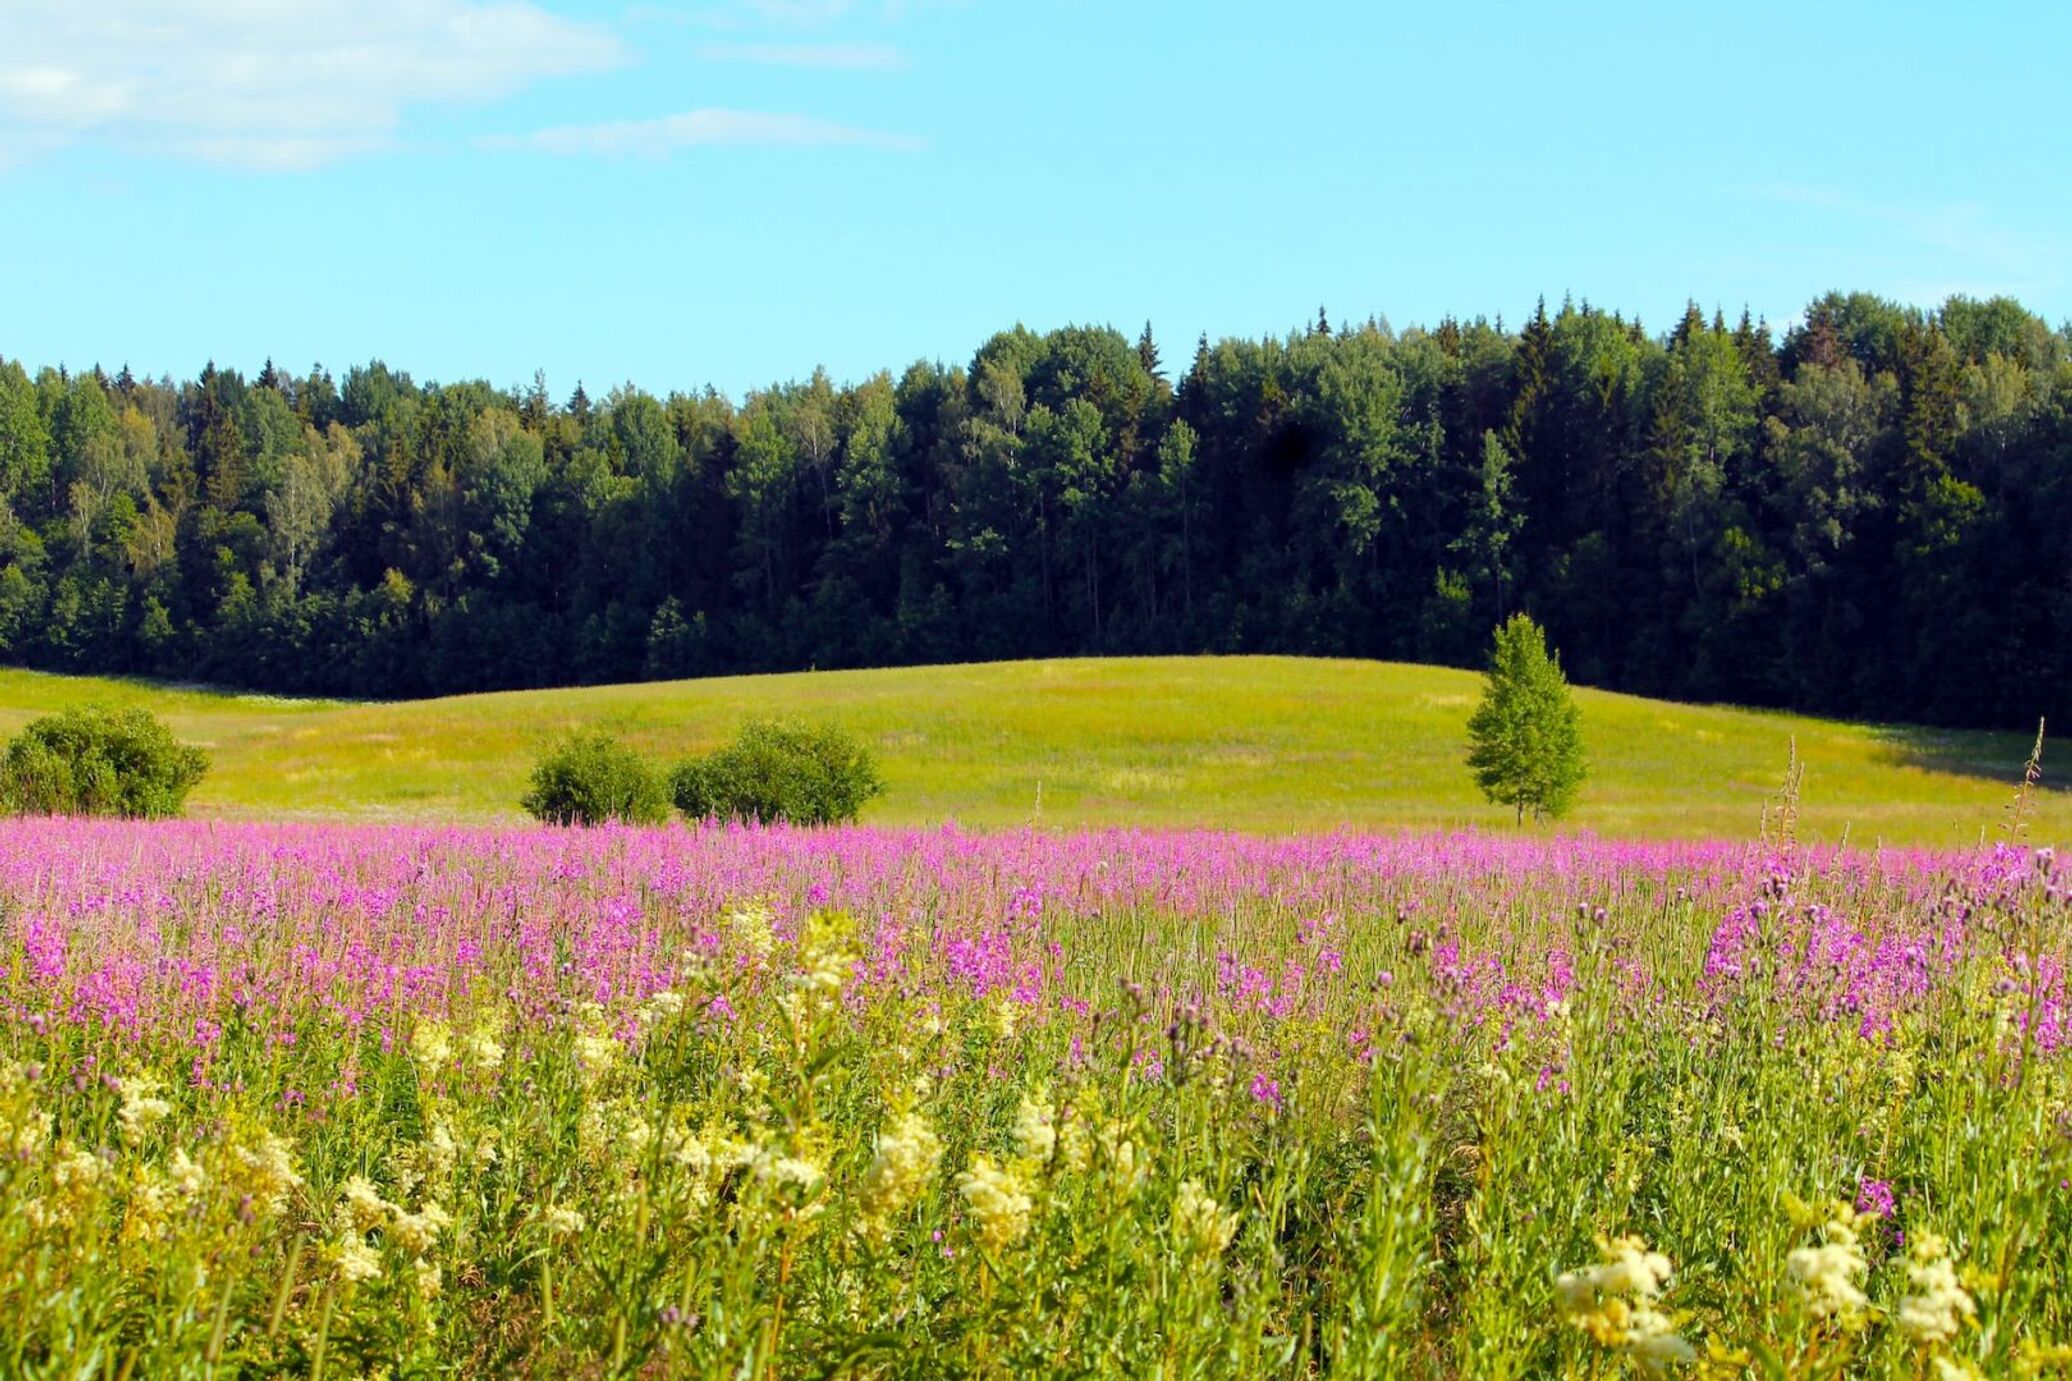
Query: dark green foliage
x=807, y=774
x=590, y=778
x=99, y=761
x=1864, y=517
x=1526, y=737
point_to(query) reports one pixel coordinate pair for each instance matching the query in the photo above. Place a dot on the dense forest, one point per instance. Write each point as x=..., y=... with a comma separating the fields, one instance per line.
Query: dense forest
x=1867, y=516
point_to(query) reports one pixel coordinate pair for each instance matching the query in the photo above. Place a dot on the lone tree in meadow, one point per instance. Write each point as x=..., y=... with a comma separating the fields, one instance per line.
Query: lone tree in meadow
x=1526, y=738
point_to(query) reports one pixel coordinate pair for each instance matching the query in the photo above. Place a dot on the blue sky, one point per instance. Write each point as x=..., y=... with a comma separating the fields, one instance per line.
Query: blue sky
x=732, y=192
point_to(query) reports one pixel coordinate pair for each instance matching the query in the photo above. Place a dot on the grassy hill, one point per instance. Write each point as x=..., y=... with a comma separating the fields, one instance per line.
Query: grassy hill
x=1268, y=743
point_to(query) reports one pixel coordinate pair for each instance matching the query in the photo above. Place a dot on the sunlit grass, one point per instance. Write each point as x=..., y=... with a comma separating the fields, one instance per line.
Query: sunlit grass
x=1257, y=743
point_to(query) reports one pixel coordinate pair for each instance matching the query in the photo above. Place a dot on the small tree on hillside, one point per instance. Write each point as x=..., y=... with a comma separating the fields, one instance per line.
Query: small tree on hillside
x=1526, y=739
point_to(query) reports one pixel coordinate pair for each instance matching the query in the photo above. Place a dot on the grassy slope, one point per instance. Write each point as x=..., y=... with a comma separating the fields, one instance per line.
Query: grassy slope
x=1251, y=743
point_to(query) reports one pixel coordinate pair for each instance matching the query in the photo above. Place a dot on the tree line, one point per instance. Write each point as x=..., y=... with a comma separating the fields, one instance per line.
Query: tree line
x=1867, y=516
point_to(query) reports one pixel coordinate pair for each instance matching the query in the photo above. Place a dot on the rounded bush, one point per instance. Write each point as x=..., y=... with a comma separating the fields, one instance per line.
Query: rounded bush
x=93, y=760
x=590, y=778
x=805, y=774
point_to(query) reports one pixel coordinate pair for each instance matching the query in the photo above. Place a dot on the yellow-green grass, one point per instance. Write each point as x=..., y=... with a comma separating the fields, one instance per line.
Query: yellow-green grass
x=1252, y=743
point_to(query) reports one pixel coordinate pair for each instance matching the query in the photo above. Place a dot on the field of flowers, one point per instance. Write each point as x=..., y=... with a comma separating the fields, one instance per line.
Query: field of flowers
x=324, y=1100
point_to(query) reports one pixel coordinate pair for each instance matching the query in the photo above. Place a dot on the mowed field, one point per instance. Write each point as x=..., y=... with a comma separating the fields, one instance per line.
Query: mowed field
x=1249, y=743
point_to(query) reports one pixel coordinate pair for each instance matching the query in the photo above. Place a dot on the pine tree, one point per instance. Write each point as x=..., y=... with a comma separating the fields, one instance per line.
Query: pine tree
x=1525, y=739
x=1147, y=354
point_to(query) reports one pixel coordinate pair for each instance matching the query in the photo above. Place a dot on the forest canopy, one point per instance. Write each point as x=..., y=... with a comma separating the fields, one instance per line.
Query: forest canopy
x=1867, y=516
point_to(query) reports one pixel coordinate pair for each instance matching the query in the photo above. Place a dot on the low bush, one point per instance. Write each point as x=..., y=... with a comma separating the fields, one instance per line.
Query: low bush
x=93, y=760
x=589, y=778
x=806, y=774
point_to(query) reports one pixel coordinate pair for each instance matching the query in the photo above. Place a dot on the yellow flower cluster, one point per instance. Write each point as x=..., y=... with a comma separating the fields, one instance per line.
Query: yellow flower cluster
x=998, y=1198
x=265, y=1170
x=142, y=1108
x=827, y=954
x=908, y=1152
x=1615, y=1302
x=1201, y=1229
x=752, y=928
x=361, y=1210
x=1036, y=1127
x=1829, y=1271
x=1936, y=1304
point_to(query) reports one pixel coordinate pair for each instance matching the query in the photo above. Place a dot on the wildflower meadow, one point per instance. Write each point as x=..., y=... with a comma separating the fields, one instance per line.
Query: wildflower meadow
x=329, y=1101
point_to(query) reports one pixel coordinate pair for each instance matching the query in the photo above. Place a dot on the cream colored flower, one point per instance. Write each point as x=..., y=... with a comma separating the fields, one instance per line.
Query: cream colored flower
x=827, y=954
x=438, y=1151
x=185, y=1176
x=1936, y=1304
x=596, y=1053
x=563, y=1222
x=1035, y=1127
x=485, y=1051
x=150, y=1208
x=417, y=1233
x=1127, y=1166
x=999, y=1202
x=354, y=1260
x=752, y=928
x=32, y=1134
x=431, y=1045
x=1828, y=1271
x=788, y=1173
x=1201, y=1228
x=142, y=1108
x=77, y=1171
x=361, y=1205
x=1614, y=1302
x=908, y=1152
x=1653, y=1342
x=1003, y=1016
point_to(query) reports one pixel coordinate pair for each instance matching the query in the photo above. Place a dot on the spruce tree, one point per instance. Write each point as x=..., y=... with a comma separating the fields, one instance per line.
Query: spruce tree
x=1526, y=741
x=1147, y=354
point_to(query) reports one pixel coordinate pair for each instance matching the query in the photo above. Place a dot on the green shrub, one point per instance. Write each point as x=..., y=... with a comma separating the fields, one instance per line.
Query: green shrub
x=773, y=770
x=589, y=778
x=93, y=760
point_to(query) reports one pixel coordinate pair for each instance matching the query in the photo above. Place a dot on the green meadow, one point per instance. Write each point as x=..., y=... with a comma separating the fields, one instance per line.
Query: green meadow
x=1251, y=743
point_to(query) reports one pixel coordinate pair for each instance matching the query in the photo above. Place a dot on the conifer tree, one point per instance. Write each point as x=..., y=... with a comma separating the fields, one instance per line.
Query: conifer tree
x=1526, y=741
x=1147, y=354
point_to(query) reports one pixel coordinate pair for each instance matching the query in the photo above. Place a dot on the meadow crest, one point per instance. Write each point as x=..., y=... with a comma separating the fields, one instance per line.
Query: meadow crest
x=1267, y=744
x=764, y=1102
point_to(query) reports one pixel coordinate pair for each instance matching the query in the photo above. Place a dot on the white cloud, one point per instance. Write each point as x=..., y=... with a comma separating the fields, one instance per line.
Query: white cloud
x=267, y=83
x=702, y=129
x=833, y=57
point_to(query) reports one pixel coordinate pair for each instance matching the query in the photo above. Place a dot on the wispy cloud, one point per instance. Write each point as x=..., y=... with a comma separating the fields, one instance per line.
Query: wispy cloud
x=833, y=57
x=801, y=12
x=285, y=85
x=1974, y=253
x=708, y=128
x=784, y=14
